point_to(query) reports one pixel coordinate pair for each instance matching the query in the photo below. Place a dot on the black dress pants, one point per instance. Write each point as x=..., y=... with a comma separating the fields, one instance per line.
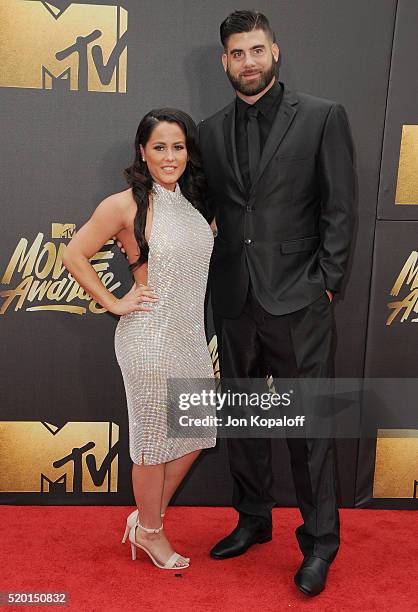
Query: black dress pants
x=293, y=345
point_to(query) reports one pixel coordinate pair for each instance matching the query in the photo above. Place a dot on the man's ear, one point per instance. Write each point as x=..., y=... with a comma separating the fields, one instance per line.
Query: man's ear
x=225, y=61
x=276, y=51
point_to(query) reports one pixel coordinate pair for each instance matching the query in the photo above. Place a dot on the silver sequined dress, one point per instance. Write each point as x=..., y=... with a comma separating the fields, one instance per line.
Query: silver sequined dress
x=169, y=341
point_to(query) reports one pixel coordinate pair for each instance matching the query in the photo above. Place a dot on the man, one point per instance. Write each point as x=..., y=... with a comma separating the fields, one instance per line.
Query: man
x=279, y=167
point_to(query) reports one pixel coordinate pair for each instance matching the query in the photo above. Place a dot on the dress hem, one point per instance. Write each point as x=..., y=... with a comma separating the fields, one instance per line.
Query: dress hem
x=143, y=453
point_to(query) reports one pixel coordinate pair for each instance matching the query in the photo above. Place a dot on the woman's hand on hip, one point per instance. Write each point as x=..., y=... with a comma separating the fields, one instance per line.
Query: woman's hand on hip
x=136, y=299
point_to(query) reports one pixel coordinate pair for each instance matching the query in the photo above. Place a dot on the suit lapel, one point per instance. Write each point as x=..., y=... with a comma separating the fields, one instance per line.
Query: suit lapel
x=230, y=143
x=285, y=115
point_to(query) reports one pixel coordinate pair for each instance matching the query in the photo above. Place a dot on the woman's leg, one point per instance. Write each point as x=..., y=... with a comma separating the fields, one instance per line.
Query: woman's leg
x=148, y=483
x=175, y=471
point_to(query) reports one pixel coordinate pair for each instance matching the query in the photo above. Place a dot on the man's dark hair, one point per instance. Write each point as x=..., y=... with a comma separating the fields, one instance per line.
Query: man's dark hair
x=245, y=21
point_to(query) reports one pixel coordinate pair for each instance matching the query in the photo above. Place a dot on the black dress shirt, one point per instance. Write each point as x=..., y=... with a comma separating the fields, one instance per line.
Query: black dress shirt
x=267, y=106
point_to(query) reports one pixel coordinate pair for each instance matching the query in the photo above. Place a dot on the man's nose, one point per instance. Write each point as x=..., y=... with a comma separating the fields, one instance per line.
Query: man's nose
x=249, y=60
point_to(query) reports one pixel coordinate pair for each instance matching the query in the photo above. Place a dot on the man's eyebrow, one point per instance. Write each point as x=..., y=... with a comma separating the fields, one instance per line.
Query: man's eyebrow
x=251, y=48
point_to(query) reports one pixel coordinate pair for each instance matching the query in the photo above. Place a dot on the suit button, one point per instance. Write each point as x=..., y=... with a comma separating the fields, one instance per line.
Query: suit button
x=248, y=241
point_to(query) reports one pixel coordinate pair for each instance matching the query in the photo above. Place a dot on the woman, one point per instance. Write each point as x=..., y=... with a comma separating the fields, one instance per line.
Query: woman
x=160, y=334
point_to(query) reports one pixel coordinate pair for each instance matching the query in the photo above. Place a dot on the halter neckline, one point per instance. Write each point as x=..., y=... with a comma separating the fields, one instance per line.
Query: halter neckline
x=161, y=189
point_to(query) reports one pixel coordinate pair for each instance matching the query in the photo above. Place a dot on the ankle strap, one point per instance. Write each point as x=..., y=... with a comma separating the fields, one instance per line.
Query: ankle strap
x=149, y=530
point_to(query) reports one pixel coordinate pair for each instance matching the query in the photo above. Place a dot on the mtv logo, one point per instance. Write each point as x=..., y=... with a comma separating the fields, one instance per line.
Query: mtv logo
x=396, y=466
x=62, y=230
x=45, y=45
x=73, y=457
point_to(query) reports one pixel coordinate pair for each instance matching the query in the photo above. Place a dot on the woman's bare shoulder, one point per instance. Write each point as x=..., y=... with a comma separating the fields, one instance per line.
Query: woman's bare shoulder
x=122, y=199
x=121, y=203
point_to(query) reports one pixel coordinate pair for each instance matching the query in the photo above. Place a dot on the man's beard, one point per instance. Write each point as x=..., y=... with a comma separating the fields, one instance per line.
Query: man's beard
x=257, y=86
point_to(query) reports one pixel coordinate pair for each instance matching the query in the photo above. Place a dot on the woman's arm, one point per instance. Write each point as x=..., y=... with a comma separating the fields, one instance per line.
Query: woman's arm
x=107, y=221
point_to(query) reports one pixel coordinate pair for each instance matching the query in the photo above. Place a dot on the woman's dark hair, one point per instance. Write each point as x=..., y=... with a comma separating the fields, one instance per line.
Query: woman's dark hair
x=244, y=21
x=192, y=182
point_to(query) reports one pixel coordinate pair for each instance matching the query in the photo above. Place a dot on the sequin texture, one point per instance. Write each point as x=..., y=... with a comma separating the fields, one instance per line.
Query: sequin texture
x=170, y=340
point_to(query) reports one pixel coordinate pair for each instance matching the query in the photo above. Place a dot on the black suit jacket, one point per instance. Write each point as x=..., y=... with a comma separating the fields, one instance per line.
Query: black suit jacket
x=291, y=234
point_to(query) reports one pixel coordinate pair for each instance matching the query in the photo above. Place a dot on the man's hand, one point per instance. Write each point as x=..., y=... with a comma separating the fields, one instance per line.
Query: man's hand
x=119, y=245
x=329, y=294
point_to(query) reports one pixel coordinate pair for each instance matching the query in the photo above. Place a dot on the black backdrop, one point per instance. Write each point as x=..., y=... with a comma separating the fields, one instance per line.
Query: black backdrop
x=63, y=151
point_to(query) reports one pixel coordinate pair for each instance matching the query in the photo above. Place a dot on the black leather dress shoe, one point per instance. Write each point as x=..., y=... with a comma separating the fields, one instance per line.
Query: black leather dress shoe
x=240, y=540
x=312, y=575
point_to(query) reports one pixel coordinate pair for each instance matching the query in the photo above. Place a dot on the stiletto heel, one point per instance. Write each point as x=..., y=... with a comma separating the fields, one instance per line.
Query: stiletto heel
x=125, y=535
x=130, y=522
x=169, y=564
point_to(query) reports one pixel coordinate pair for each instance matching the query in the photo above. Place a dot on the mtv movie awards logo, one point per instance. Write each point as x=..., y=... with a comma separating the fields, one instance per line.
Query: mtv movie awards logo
x=406, y=308
x=41, y=282
x=61, y=44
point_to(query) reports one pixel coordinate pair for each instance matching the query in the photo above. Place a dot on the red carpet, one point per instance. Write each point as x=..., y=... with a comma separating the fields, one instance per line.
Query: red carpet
x=78, y=549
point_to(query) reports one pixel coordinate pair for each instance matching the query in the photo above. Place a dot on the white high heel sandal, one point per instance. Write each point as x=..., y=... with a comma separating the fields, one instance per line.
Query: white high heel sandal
x=130, y=522
x=169, y=564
